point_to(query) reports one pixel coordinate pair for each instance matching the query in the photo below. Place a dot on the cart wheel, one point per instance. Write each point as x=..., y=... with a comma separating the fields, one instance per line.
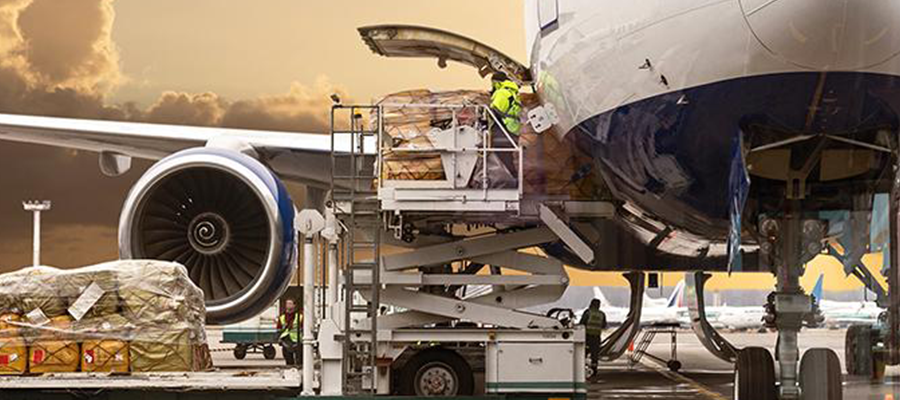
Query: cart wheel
x=240, y=351
x=269, y=352
x=673, y=365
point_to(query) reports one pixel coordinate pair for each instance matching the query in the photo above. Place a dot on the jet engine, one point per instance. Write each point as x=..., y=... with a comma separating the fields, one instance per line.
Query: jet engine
x=224, y=216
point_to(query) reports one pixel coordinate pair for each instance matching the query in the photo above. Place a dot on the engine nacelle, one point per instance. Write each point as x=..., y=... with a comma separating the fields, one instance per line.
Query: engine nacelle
x=224, y=216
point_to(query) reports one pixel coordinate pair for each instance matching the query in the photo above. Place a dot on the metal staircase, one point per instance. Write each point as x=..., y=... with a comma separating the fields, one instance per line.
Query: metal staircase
x=646, y=340
x=355, y=202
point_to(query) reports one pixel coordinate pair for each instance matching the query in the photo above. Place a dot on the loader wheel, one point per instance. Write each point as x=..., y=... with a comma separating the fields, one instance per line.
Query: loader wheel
x=437, y=372
x=820, y=375
x=754, y=375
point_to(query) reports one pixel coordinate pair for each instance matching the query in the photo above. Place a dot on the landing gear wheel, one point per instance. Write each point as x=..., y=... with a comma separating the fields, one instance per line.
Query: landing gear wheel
x=858, y=352
x=269, y=352
x=878, y=366
x=437, y=372
x=240, y=351
x=674, y=365
x=820, y=375
x=754, y=375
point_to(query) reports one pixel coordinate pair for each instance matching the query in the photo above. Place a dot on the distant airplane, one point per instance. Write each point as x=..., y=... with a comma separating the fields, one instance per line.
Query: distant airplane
x=749, y=318
x=840, y=314
x=655, y=310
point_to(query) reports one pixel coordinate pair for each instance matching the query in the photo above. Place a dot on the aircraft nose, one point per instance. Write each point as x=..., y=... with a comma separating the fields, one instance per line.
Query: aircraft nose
x=827, y=34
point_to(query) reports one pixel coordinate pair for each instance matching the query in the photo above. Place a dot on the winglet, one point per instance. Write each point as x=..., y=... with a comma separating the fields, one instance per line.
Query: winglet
x=817, y=290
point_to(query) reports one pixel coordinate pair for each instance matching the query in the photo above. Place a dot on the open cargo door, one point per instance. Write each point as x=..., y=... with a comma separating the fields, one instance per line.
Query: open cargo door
x=421, y=42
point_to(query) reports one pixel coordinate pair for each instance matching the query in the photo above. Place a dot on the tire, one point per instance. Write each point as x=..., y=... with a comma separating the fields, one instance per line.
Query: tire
x=240, y=351
x=850, y=350
x=441, y=365
x=878, y=366
x=858, y=351
x=674, y=365
x=820, y=375
x=269, y=352
x=754, y=375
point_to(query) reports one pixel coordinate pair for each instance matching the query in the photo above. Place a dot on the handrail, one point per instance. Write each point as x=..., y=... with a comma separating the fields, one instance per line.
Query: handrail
x=486, y=147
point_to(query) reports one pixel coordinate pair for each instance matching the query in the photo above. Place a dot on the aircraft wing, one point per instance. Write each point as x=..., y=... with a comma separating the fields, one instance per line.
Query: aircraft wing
x=299, y=157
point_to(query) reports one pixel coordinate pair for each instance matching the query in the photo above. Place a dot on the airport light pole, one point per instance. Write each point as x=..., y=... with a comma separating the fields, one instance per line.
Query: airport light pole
x=36, y=207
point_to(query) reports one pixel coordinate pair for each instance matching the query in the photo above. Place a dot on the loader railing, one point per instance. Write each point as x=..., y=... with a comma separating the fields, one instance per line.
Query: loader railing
x=453, y=143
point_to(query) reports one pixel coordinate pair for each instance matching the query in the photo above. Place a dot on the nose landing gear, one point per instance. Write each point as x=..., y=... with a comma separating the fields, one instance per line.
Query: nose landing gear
x=789, y=243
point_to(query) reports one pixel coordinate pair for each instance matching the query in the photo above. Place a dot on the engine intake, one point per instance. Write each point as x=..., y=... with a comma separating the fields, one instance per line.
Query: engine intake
x=225, y=217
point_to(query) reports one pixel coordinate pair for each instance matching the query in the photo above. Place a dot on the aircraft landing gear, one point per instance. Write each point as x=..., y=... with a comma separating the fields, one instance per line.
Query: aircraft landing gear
x=792, y=241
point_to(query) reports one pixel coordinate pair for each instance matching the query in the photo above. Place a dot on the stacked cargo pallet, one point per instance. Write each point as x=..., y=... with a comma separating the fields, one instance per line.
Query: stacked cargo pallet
x=553, y=164
x=124, y=316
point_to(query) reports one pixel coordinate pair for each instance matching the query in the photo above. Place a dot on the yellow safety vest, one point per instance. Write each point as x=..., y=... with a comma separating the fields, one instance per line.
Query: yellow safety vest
x=505, y=101
x=293, y=330
x=596, y=322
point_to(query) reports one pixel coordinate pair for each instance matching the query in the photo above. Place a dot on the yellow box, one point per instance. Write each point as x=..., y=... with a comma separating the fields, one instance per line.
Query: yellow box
x=13, y=356
x=104, y=356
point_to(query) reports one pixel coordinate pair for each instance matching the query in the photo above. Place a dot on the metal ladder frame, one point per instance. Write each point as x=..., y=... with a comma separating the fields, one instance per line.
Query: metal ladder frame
x=362, y=216
x=646, y=340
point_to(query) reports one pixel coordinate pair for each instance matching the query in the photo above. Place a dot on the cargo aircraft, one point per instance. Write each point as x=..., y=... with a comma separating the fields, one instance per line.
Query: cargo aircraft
x=728, y=134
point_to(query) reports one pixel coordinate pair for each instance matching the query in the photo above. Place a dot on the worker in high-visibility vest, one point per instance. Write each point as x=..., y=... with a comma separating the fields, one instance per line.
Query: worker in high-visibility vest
x=289, y=325
x=505, y=103
x=507, y=107
x=594, y=322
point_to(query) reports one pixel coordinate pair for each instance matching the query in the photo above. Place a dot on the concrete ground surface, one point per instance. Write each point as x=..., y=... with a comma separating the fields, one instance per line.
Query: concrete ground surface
x=702, y=377
x=706, y=377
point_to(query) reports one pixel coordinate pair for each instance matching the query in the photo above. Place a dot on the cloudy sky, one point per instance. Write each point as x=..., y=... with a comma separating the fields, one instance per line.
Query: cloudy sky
x=236, y=63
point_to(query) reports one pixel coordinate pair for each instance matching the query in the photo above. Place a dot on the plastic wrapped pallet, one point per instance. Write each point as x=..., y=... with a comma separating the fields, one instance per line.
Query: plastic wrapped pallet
x=117, y=317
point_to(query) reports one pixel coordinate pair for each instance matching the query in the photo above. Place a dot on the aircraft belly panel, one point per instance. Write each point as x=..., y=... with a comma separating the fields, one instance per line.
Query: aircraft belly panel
x=670, y=158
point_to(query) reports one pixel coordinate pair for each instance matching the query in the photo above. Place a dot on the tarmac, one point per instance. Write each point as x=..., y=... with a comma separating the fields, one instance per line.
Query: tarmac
x=702, y=376
x=706, y=377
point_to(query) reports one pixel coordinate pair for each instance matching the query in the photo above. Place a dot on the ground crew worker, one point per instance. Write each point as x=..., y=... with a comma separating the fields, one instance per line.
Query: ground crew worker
x=507, y=106
x=594, y=322
x=505, y=103
x=289, y=323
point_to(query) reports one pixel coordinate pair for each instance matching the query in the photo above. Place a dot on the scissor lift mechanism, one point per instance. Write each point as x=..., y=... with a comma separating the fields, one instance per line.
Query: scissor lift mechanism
x=386, y=307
